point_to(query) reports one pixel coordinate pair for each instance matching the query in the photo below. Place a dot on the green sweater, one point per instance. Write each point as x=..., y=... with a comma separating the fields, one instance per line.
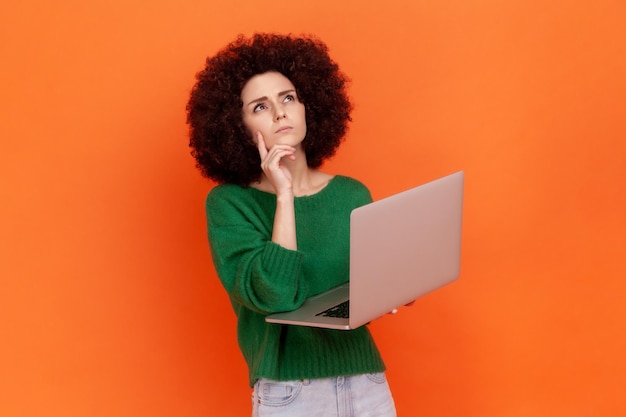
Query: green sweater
x=262, y=277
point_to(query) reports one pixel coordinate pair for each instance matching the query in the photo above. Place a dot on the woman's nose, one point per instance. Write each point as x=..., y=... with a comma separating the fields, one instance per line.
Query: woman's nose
x=280, y=113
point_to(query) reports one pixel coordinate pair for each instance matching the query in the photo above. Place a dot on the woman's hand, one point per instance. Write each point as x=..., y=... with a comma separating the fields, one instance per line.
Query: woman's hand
x=278, y=175
x=284, y=231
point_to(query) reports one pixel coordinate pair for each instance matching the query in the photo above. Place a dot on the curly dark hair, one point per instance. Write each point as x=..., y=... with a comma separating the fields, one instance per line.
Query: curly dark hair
x=221, y=144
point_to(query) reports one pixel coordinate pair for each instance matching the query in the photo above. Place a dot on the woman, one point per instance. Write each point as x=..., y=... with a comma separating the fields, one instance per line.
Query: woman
x=264, y=114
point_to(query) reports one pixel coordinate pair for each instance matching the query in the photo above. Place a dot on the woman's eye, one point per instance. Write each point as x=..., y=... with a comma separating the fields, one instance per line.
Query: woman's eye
x=259, y=107
x=289, y=97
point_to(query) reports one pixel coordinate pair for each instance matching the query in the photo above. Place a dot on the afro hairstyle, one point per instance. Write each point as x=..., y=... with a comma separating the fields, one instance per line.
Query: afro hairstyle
x=220, y=143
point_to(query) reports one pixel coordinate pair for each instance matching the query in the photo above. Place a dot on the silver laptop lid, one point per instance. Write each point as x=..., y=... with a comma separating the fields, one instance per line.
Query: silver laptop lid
x=404, y=246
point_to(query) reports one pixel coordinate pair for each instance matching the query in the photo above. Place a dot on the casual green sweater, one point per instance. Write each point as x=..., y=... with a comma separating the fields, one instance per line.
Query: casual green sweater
x=262, y=277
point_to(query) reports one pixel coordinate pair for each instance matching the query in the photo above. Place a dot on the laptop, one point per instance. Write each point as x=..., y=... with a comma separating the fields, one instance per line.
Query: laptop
x=401, y=248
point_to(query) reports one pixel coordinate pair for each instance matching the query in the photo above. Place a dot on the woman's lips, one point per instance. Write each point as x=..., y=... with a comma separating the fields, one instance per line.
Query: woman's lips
x=283, y=129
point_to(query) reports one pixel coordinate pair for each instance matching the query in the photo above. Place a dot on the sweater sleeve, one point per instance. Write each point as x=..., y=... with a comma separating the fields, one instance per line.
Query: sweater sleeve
x=256, y=272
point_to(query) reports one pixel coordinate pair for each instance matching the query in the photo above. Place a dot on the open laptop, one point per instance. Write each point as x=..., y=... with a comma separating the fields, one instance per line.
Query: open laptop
x=401, y=248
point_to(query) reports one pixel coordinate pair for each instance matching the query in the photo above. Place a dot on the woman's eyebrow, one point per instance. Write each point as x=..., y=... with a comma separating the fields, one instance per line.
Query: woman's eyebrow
x=264, y=98
x=257, y=100
x=286, y=92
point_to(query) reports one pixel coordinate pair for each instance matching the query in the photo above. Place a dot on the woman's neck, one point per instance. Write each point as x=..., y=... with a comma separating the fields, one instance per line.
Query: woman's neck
x=310, y=182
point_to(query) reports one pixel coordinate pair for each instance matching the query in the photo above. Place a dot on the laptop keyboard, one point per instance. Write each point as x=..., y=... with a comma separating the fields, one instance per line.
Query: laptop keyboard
x=340, y=310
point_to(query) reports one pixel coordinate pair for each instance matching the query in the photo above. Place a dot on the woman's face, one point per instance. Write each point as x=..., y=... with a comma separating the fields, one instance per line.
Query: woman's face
x=271, y=107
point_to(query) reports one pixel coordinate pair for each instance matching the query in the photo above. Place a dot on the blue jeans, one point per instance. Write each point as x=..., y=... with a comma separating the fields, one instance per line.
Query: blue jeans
x=345, y=396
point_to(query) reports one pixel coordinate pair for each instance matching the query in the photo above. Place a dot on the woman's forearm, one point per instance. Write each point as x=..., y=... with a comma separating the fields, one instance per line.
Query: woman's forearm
x=284, y=232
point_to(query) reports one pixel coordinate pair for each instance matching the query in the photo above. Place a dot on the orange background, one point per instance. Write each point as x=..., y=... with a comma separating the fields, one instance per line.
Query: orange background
x=108, y=299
